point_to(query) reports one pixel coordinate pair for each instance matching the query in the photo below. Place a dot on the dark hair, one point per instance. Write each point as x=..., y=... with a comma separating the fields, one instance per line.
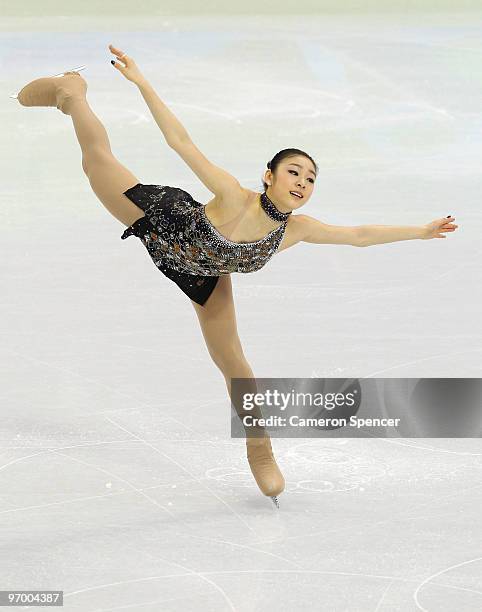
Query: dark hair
x=283, y=154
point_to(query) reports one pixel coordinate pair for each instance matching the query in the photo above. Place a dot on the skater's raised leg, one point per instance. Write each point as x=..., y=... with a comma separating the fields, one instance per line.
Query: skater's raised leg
x=107, y=176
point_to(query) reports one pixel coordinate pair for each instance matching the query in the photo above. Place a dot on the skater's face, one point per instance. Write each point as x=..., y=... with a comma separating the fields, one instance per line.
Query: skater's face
x=295, y=173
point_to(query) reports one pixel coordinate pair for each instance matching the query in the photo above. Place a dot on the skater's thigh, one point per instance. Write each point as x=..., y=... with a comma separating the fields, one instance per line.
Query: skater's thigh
x=218, y=323
x=109, y=179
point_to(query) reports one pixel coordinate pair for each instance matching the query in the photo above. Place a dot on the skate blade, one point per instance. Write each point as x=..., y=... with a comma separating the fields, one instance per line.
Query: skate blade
x=15, y=95
x=275, y=501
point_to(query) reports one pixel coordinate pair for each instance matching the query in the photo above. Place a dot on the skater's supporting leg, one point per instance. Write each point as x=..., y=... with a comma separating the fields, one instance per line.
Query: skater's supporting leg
x=218, y=324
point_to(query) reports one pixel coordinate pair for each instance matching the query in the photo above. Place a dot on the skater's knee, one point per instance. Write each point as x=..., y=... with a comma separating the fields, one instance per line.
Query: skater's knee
x=229, y=358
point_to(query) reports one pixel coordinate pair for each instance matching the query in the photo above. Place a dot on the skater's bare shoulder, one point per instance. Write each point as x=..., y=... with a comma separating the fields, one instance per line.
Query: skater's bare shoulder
x=294, y=232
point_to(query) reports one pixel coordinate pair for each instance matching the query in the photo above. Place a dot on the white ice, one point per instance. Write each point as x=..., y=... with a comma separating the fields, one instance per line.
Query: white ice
x=120, y=483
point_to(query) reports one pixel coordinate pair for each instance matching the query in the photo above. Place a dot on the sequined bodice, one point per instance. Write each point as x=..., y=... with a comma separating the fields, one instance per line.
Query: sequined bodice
x=179, y=234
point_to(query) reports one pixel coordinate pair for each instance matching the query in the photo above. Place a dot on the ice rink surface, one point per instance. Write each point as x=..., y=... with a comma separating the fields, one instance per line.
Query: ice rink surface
x=120, y=483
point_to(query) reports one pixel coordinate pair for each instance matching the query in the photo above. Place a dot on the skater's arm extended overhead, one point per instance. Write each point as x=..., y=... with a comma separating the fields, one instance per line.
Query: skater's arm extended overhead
x=168, y=123
x=218, y=181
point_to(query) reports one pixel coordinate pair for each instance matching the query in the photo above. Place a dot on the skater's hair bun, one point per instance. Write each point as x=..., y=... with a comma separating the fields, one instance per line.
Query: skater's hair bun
x=283, y=154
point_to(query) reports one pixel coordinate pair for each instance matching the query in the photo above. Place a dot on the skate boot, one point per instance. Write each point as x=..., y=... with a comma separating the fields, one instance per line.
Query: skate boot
x=264, y=468
x=53, y=91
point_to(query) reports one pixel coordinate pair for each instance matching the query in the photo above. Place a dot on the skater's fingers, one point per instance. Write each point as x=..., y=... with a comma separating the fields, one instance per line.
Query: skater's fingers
x=120, y=54
x=125, y=59
x=114, y=50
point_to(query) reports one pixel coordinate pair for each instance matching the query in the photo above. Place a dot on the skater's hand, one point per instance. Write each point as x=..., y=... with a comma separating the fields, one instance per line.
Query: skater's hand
x=437, y=228
x=127, y=66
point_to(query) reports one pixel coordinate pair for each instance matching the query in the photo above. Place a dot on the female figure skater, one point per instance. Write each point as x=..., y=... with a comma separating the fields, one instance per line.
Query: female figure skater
x=198, y=246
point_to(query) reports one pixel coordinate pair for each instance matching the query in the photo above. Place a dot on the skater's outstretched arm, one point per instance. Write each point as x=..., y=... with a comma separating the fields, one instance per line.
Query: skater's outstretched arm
x=216, y=179
x=172, y=129
x=314, y=231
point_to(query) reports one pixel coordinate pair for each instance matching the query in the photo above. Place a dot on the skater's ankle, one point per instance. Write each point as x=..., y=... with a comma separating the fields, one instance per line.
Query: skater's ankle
x=70, y=102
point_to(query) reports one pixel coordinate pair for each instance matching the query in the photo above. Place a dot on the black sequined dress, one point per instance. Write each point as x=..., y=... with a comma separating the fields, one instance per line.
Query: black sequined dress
x=184, y=244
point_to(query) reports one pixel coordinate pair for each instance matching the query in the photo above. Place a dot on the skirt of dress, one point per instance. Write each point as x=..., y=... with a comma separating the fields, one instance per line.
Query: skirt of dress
x=147, y=197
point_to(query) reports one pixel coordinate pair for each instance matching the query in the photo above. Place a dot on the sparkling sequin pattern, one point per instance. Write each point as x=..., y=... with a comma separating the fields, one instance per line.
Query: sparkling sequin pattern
x=179, y=236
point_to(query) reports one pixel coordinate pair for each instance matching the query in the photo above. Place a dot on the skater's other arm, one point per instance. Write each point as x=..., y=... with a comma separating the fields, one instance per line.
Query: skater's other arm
x=218, y=181
x=168, y=123
x=308, y=229
x=314, y=231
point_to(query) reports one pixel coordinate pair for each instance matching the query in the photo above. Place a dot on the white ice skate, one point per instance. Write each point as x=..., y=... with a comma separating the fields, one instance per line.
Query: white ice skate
x=15, y=95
